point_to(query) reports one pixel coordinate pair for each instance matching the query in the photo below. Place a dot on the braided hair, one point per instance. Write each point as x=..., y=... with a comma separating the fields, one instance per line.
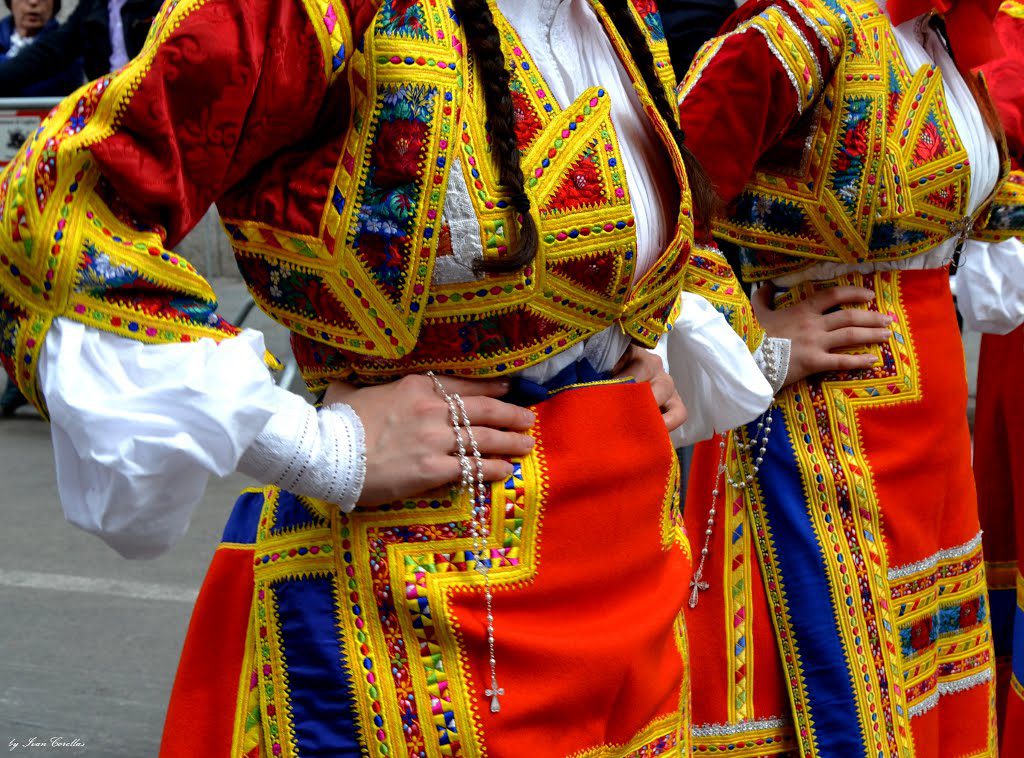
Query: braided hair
x=483, y=39
x=705, y=201
x=484, y=42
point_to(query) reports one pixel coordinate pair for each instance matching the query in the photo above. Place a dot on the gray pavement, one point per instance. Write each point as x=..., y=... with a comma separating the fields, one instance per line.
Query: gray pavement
x=90, y=640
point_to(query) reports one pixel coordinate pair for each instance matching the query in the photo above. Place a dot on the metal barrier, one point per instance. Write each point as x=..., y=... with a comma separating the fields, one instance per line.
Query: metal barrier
x=19, y=116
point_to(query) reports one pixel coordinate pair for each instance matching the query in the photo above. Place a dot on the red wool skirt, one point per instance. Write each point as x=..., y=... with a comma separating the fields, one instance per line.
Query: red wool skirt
x=847, y=612
x=999, y=467
x=325, y=634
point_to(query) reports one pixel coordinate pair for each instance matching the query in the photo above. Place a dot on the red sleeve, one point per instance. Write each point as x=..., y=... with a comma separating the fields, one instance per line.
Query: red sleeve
x=1005, y=77
x=118, y=173
x=232, y=85
x=748, y=87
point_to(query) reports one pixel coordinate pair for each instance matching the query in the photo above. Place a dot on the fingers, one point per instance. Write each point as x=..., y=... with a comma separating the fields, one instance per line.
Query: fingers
x=763, y=298
x=673, y=413
x=855, y=317
x=639, y=363
x=473, y=387
x=830, y=298
x=855, y=335
x=492, y=442
x=486, y=411
x=662, y=388
x=847, y=362
x=446, y=469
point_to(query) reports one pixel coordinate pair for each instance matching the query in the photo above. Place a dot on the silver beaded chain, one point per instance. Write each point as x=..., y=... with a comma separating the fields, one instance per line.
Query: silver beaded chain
x=759, y=440
x=476, y=489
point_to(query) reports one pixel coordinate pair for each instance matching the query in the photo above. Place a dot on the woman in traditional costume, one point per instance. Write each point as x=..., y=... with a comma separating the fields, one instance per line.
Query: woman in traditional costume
x=999, y=414
x=841, y=575
x=469, y=189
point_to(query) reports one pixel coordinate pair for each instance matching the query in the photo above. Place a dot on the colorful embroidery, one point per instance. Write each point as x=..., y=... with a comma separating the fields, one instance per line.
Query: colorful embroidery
x=1006, y=212
x=884, y=175
x=746, y=738
x=709, y=275
x=907, y=634
x=381, y=312
x=1012, y=8
x=373, y=592
x=99, y=266
x=947, y=647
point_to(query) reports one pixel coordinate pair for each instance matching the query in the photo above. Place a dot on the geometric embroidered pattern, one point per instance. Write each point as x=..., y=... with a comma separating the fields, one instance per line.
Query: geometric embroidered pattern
x=361, y=297
x=883, y=176
x=356, y=287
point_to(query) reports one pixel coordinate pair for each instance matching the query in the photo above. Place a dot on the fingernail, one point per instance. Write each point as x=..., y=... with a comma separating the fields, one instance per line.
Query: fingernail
x=530, y=442
x=890, y=320
x=529, y=416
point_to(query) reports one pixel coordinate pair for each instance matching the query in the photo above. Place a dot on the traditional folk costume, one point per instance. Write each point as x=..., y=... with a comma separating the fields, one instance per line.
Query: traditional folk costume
x=345, y=146
x=843, y=581
x=999, y=416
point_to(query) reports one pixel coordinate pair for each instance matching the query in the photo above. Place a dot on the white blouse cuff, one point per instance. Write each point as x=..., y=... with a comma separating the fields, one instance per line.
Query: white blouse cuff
x=990, y=286
x=316, y=454
x=772, y=358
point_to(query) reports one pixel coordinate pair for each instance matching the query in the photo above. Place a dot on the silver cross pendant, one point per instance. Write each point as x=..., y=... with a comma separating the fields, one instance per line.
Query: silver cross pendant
x=493, y=692
x=696, y=587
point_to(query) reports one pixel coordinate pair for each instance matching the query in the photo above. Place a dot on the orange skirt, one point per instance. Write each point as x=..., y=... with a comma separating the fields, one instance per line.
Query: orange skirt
x=999, y=467
x=847, y=613
x=323, y=634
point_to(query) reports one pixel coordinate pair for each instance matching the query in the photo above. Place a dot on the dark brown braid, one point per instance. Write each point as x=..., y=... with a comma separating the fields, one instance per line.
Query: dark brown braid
x=482, y=36
x=705, y=200
x=485, y=44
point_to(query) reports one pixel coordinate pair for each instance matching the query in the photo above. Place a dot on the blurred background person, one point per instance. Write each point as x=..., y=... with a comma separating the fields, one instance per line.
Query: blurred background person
x=691, y=23
x=31, y=21
x=105, y=34
x=999, y=416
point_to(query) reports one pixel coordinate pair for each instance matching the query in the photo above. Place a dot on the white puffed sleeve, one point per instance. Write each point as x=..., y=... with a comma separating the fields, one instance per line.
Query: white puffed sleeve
x=990, y=286
x=139, y=429
x=716, y=376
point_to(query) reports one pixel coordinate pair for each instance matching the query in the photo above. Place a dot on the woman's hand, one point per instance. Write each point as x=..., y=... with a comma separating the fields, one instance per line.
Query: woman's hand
x=818, y=335
x=410, y=442
x=645, y=366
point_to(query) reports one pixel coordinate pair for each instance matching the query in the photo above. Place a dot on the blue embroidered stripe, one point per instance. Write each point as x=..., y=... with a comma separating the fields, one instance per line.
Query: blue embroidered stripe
x=830, y=696
x=244, y=519
x=323, y=712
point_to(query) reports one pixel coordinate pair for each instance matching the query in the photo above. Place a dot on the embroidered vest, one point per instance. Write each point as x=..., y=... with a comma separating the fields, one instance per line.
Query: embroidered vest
x=388, y=288
x=874, y=171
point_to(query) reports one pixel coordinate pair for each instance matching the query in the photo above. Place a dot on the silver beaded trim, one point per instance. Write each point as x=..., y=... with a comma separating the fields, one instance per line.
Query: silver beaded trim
x=772, y=357
x=816, y=28
x=790, y=74
x=740, y=727
x=926, y=564
x=950, y=688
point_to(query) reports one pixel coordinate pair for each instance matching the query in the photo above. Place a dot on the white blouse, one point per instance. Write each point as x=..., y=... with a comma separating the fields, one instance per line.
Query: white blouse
x=138, y=429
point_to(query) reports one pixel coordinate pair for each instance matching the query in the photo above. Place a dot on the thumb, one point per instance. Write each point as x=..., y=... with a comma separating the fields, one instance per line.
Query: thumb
x=763, y=298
